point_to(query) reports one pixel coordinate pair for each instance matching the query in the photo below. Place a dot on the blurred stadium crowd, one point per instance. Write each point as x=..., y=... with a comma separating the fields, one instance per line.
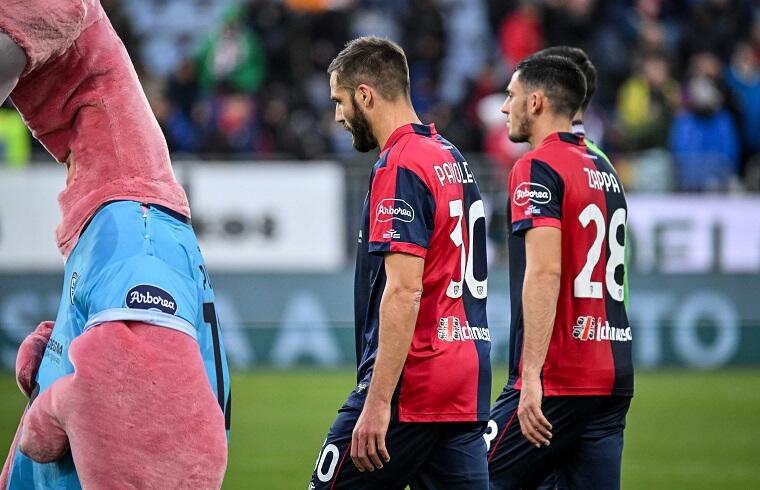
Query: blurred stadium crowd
x=678, y=102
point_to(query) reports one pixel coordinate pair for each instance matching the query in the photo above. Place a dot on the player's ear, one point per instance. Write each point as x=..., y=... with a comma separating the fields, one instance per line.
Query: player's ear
x=364, y=95
x=536, y=102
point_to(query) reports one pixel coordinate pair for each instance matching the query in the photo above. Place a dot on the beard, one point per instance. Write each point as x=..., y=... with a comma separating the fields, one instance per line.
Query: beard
x=361, y=130
x=520, y=133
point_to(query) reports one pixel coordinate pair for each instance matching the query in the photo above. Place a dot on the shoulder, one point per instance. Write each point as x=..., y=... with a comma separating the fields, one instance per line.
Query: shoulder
x=547, y=155
x=419, y=155
x=42, y=35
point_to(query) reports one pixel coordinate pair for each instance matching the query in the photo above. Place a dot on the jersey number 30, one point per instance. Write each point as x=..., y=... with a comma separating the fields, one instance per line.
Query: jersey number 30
x=478, y=289
x=583, y=286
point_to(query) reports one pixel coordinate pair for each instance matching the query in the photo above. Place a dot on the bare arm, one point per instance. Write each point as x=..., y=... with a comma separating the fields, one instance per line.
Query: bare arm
x=543, y=251
x=12, y=64
x=398, y=316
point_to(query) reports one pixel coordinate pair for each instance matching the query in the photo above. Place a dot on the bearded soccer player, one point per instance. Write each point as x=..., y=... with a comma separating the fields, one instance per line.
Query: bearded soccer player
x=418, y=412
x=571, y=378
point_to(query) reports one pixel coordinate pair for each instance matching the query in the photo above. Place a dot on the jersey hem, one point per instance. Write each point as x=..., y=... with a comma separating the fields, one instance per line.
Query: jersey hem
x=585, y=392
x=381, y=248
x=526, y=224
x=444, y=417
x=157, y=318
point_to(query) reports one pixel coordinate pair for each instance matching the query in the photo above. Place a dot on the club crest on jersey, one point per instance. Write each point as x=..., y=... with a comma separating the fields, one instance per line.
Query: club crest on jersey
x=147, y=297
x=72, y=286
x=531, y=192
x=389, y=209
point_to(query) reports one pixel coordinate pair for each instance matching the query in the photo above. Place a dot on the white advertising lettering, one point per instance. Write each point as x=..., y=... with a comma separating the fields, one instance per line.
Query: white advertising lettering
x=389, y=209
x=148, y=297
x=603, y=181
x=531, y=192
x=589, y=328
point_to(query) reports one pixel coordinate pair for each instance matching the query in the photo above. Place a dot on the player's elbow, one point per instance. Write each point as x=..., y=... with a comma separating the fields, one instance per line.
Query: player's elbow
x=406, y=293
x=545, y=274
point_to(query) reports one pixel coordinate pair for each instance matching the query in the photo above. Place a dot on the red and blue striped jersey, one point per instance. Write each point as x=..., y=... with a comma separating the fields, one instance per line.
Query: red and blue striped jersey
x=423, y=200
x=567, y=185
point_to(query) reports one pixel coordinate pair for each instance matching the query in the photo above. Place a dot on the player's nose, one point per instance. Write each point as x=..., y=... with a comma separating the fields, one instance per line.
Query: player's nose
x=339, y=114
x=505, y=107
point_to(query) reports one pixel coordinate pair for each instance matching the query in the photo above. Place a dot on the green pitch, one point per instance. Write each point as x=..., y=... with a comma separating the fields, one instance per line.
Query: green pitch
x=686, y=430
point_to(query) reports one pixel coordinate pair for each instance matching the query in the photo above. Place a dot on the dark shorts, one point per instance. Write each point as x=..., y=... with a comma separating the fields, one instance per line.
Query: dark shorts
x=445, y=456
x=585, y=450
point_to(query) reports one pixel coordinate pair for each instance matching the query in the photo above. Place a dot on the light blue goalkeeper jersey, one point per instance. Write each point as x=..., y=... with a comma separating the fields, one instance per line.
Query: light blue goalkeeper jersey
x=132, y=262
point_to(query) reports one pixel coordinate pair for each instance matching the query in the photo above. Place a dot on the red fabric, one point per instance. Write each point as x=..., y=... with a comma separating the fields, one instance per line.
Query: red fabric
x=520, y=36
x=409, y=248
x=572, y=366
x=431, y=390
x=553, y=222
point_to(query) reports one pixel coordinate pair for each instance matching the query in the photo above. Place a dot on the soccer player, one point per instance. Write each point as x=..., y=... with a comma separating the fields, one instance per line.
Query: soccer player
x=418, y=412
x=582, y=61
x=571, y=378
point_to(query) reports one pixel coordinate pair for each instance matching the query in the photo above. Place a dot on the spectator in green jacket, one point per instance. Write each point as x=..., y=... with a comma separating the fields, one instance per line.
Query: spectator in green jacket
x=232, y=57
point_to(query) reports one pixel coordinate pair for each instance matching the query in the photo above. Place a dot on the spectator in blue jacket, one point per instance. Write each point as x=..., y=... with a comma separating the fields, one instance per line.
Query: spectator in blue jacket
x=704, y=140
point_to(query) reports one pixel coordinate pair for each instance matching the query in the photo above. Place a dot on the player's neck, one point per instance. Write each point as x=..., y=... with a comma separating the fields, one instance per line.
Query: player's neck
x=543, y=127
x=393, y=117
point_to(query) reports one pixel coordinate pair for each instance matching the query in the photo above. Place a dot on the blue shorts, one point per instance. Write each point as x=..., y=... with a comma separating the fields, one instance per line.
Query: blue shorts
x=586, y=447
x=132, y=262
x=425, y=456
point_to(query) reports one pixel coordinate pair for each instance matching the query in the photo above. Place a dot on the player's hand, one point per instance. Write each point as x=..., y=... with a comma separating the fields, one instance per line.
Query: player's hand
x=533, y=424
x=368, y=439
x=29, y=356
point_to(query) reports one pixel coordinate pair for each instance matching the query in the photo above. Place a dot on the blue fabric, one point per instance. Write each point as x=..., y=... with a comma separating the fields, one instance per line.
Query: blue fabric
x=131, y=263
x=705, y=149
x=748, y=93
x=423, y=456
x=585, y=451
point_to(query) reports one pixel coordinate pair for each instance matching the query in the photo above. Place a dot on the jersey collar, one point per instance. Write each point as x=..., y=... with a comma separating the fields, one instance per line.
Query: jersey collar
x=573, y=139
x=421, y=129
x=579, y=128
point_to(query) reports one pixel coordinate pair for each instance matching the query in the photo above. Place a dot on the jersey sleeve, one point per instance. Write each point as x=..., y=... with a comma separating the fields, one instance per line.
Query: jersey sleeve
x=44, y=29
x=402, y=212
x=536, y=191
x=141, y=288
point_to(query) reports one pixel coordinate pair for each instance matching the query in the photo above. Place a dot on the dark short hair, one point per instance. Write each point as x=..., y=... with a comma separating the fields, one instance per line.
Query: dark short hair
x=560, y=78
x=377, y=62
x=582, y=61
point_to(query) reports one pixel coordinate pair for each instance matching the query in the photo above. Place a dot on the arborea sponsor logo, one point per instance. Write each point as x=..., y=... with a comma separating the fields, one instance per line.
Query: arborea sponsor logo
x=399, y=209
x=147, y=297
x=531, y=192
x=450, y=328
x=588, y=328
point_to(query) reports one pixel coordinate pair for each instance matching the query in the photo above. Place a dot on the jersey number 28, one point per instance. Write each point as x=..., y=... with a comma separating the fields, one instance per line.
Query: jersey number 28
x=583, y=286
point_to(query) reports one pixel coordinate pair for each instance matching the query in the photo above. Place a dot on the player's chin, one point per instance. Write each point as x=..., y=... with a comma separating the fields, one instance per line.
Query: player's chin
x=363, y=146
x=517, y=137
